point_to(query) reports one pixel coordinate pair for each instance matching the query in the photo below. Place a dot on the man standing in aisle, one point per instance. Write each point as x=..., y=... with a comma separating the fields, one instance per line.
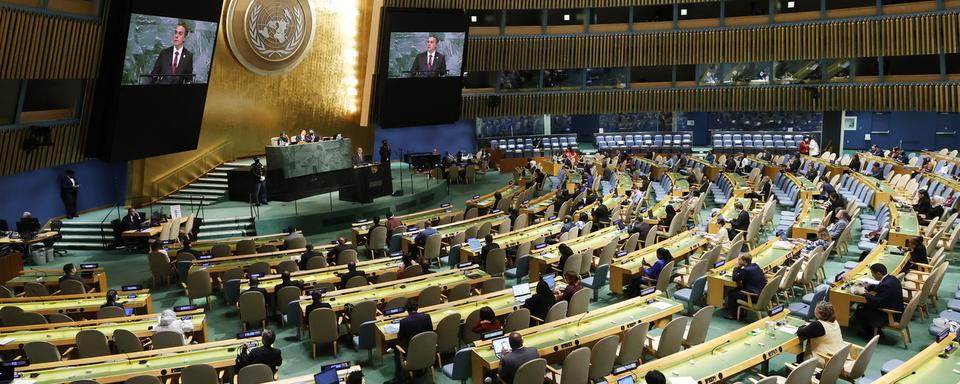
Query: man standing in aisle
x=260, y=188
x=68, y=193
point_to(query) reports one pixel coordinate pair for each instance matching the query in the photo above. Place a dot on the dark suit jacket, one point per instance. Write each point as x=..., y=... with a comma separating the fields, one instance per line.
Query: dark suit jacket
x=261, y=355
x=258, y=289
x=751, y=278
x=889, y=295
x=358, y=161
x=346, y=277
x=412, y=325
x=512, y=361
x=66, y=186
x=419, y=67
x=306, y=258
x=485, y=250
x=742, y=221
x=132, y=222
x=164, y=66
x=540, y=304
x=601, y=214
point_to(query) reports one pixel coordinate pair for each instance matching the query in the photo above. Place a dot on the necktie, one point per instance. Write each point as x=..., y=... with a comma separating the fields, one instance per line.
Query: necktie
x=430, y=62
x=176, y=61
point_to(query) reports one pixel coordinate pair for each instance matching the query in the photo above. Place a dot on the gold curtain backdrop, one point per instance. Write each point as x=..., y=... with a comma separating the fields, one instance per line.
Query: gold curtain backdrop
x=248, y=109
x=932, y=97
x=891, y=36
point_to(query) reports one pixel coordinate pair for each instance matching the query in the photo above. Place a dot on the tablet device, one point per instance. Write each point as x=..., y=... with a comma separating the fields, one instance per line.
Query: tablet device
x=626, y=380
x=326, y=377
x=501, y=346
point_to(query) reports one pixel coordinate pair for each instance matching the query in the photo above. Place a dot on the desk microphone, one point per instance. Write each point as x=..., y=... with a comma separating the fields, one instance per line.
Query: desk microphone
x=577, y=332
x=714, y=350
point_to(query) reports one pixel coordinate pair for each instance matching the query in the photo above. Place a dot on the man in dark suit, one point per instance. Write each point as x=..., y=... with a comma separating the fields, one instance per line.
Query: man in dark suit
x=359, y=158
x=384, y=152
x=255, y=287
x=351, y=273
x=132, y=220
x=430, y=63
x=309, y=254
x=68, y=193
x=485, y=250
x=414, y=324
x=335, y=251
x=174, y=65
x=518, y=355
x=260, y=188
x=887, y=294
x=749, y=278
x=265, y=354
x=742, y=222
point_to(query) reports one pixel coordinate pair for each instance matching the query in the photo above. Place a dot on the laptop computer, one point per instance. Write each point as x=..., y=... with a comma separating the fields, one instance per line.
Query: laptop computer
x=551, y=281
x=326, y=377
x=474, y=244
x=501, y=346
x=521, y=292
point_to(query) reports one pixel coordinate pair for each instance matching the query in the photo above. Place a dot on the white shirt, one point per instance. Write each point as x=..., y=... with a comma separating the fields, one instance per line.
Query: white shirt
x=177, y=56
x=73, y=183
x=721, y=238
x=430, y=57
x=178, y=326
x=814, y=148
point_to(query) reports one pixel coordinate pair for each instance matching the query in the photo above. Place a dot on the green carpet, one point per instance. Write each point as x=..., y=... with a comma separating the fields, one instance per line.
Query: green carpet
x=223, y=321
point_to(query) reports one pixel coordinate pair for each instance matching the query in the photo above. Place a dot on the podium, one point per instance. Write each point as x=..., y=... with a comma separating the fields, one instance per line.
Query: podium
x=367, y=183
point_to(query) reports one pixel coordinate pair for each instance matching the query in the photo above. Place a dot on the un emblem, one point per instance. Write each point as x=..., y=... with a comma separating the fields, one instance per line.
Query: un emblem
x=270, y=36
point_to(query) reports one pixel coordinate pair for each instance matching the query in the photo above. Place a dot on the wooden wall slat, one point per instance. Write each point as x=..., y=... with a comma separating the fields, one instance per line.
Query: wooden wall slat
x=38, y=46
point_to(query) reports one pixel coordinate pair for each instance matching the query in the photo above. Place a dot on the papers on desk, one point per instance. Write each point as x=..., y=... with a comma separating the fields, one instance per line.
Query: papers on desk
x=661, y=305
x=391, y=328
x=23, y=381
x=682, y=380
x=7, y=340
x=782, y=244
x=789, y=329
x=869, y=281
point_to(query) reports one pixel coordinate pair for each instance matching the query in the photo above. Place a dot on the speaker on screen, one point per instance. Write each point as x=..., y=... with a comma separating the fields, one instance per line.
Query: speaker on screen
x=420, y=67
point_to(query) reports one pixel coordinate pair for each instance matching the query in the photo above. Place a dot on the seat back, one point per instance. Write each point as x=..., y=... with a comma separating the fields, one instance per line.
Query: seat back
x=517, y=320
x=458, y=292
x=556, y=312
x=323, y=326
x=699, y=325
x=221, y=250
x=255, y=374
x=362, y=312
x=422, y=352
x=74, y=287
x=672, y=337
x=579, y=302
x=198, y=374
x=531, y=371
x=431, y=249
x=803, y=373
x=461, y=364
x=198, y=284
x=863, y=359
x=357, y=281
x=110, y=312
x=663, y=280
x=496, y=263
x=286, y=295
x=41, y=352
x=602, y=356
x=253, y=308
x=142, y=379
x=32, y=289
x=834, y=366
x=572, y=264
x=126, y=341
x=167, y=339
x=576, y=366
x=493, y=285
x=430, y=296
x=448, y=334
x=259, y=267
x=586, y=261
x=347, y=256
x=92, y=343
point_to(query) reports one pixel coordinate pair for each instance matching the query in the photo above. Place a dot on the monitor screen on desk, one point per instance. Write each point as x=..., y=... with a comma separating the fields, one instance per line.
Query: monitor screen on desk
x=326, y=377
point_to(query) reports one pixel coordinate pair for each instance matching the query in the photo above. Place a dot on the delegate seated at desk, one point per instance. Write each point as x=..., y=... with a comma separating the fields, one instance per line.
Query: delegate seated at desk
x=359, y=159
x=887, y=294
x=749, y=278
x=132, y=221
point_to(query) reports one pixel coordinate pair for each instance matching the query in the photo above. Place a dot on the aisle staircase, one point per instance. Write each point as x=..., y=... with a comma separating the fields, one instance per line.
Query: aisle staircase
x=226, y=227
x=85, y=235
x=208, y=189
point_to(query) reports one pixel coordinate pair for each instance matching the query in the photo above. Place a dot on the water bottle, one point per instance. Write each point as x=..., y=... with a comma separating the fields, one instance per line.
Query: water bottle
x=771, y=328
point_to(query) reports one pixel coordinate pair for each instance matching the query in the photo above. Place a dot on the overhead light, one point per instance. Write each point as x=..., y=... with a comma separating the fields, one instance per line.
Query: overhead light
x=683, y=11
x=791, y=4
x=566, y=17
x=473, y=18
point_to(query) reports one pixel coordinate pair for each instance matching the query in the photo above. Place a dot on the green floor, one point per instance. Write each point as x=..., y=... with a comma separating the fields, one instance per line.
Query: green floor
x=223, y=321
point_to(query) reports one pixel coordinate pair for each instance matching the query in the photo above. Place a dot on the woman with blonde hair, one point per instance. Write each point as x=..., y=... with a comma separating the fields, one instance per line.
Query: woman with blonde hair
x=822, y=335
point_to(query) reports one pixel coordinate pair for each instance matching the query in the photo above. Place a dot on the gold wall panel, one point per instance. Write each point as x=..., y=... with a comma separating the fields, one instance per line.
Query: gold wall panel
x=929, y=97
x=248, y=109
x=893, y=36
x=530, y=4
x=38, y=46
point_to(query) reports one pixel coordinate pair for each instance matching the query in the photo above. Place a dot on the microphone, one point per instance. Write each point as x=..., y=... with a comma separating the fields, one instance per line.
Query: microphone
x=714, y=350
x=578, y=322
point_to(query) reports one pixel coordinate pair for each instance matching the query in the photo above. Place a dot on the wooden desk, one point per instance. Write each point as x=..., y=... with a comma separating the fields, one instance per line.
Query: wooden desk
x=10, y=266
x=552, y=340
x=832, y=168
x=679, y=183
x=840, y=294
x=904, y=224
x=727, y=355
x=205, y=246
x=709, y=170
x=486, y=201
x=806, y=188
x=926, y=366
x=360, y=230
x=770, y=169
x=64, y=334
x=729, y=212
x=882, y=192
x=514, y=238
x=51, y=278
x=39, y=238
x=738, y=183
x=808, y=221
x=768, y=256
x=542, y=259
x=330, y=275
x=624, y=268
x=157, y=362
x=80, y=304
x=447, y=231
x=898, y=167
x=624, y=183
x=538, y=205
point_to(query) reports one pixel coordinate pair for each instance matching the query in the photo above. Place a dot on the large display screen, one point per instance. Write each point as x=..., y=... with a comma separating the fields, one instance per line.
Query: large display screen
x=168, y=50
x=152, y=86
x=426, y=54
x=420, y=67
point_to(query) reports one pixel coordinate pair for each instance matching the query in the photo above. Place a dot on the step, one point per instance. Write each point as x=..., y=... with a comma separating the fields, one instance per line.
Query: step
x=85, y=224
x=194, y=190
x=172, y=200
x=65, y=231
x=222, y=174
x=70, y=245
x=223, y=226
x=226, y=233
x=237, y=164
x=88, y=237
x=209, y=185
x=236, y=219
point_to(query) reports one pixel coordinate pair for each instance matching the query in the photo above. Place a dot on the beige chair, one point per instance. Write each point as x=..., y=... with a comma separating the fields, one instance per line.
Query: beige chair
x=517, y=320
x=663, y=279
x=377, y=242
x=448, y=336
x=199, y=374
x=356, y=281
x=6, y=293
x=631, y=347
x=221, y=250
x=431, y=249
x=556, y=312
x=253, y=309
x=41, y=352
x=29, y=318
x=602, y=356
x=142, y=379
x=411, y=271
x=429, y=296
x=424, y=346
x=394, y=303
x=159, y=267
x=586, y=261
x=286, y=295
x=831, y=371
x=856, y=366
x=347, y=256
x=903, y=325
x=532, y=371
x=287, y=266
x=32, y=289
x=696, y=332
x=802, y=374
x=669, y=341
x=267, y=248
x=254, y=374
x=323, y=329
x=579, y=302
x=317, y=262
x=572, y=264
x=496, y=263
x=233, y=274
x=9, y=314
x=58, y=318
x=198, y=286
x=471, y=214
x=576, y=368
x=92, y=343
x=467, y=335
x=758, y=304
x=246, y=247
x=453, y=174
x=484, y=230
x=126, y=341
x=167, y=339
x=362, y=312
x=493, y=285
x=110, y=312
x=459, y=292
